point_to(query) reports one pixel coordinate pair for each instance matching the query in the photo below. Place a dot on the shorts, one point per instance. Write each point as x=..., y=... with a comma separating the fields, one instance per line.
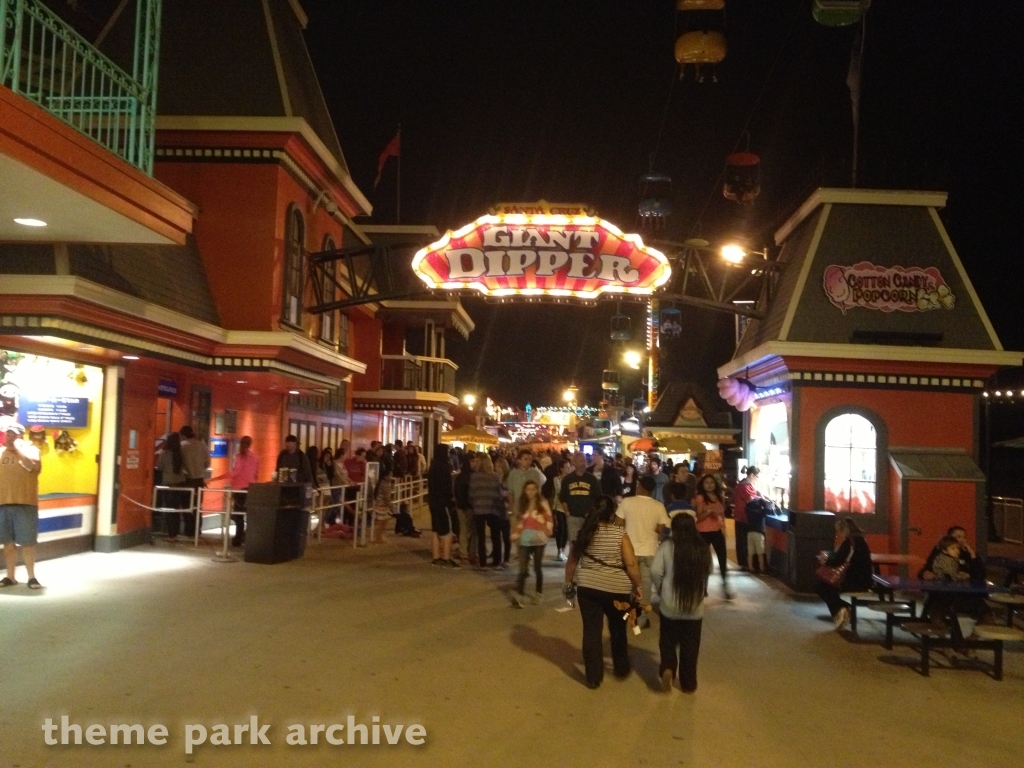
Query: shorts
x=755, y=543
x=440, y=520
x=19, y=523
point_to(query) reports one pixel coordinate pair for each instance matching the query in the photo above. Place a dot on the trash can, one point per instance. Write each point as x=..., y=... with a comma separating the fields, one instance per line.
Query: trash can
x=776, y=532
x=277, y=522
x=809, y=534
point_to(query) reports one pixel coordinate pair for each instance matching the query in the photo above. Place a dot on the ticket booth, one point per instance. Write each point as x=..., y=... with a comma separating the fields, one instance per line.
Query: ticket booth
x=869, y=368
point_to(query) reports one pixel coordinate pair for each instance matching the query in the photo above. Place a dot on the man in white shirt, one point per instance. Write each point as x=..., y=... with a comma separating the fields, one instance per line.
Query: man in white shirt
x=644, y=519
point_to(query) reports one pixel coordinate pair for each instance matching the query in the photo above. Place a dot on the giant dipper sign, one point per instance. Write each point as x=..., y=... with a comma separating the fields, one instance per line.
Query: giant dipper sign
x=542, y=255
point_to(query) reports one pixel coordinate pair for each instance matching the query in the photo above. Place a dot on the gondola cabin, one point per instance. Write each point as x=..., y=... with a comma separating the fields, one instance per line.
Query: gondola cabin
x=655, y=199
x=610, y=380
x=839, y=13
x=742, y=177
x=621, y=328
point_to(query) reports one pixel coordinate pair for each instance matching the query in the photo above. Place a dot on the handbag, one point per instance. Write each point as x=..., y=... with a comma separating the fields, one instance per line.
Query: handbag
x=833, y=575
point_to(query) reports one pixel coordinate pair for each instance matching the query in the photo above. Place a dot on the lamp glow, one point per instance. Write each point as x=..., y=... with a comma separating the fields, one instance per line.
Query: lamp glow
x=469, y=400
x=632, y=358
x=30, y=222
x=733, y=253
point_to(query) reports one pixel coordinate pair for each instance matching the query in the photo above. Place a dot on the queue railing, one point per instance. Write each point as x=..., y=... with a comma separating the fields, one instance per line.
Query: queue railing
x=159, y=495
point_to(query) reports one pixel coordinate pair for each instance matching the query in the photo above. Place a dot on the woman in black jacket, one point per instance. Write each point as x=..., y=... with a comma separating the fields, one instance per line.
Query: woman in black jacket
x=857, y=578
x=441, y=500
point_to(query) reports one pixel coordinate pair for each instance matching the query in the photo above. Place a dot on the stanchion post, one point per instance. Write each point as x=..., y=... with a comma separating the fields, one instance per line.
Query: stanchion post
x=225, y=556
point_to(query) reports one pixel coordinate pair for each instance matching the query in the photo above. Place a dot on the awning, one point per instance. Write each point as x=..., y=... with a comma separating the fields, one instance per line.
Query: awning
x=947, y=464
x=469, y=434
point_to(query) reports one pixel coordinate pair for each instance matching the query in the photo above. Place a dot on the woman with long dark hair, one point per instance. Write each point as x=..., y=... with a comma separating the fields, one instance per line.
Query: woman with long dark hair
x=710, y=505
x=678, y=574
x=441, y=500
x=853, y=550
x=173, y=474
x=602, y=560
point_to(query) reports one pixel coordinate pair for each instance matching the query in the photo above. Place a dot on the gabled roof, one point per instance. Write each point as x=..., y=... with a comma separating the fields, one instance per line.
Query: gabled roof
x=241, y=58
x=849, y=229
x=675, y=397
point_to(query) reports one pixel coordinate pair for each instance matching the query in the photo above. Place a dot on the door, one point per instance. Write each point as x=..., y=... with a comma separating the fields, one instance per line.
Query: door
x=202, y=401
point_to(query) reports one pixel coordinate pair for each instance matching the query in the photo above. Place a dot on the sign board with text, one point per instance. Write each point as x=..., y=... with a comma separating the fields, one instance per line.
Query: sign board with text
x=64, y=412
x=511, y=254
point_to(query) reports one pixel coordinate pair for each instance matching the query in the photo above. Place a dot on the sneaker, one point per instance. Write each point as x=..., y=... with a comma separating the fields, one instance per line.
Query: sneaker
x=505, y=565
x=666, y=680
x=537, y=598
x=728, y=595
x=562, y=557
x=842, y=616
x=437, y=561
x=450, y=564
x=517, y=601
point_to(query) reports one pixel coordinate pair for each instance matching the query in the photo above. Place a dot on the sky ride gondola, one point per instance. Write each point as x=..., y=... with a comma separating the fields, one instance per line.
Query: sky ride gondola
x=742, y=178
x=838, y=13
x=655, y=199
x=622, y=327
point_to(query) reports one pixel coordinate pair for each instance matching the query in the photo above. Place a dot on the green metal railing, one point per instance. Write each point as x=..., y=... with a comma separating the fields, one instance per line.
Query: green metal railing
x=50, y=64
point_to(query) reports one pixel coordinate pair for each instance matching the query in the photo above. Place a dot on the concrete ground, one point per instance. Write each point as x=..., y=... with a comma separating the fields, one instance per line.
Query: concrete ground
x=164, y=635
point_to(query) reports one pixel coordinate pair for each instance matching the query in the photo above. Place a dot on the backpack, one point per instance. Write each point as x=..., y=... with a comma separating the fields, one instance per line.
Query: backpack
x=758, y=508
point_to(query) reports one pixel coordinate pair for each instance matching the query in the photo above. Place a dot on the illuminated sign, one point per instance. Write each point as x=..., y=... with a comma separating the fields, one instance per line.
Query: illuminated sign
x=544, y=254
x=887, y=289
x=67, y=412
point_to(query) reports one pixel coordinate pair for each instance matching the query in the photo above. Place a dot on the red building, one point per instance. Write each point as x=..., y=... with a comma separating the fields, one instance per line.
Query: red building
x=182, y=296
x=869, y=369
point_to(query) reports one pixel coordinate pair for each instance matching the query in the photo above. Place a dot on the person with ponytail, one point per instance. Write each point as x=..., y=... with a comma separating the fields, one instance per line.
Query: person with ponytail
x=678, y=573
x=601, y=558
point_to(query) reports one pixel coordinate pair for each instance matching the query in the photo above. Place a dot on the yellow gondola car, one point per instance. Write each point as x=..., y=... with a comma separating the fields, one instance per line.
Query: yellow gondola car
x=700, y=5
x=700, y=48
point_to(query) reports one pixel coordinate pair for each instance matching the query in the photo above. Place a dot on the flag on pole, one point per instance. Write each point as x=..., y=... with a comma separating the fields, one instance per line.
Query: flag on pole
x=393, y=149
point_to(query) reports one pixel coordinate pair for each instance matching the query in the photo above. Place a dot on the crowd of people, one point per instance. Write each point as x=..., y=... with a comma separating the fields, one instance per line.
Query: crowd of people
x=628, y=535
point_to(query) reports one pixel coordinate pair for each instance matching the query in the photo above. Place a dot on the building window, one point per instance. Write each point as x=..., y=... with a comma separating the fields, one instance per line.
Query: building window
x=343, y=333
x=851, y=461
x=294, y=267
x=327, y=291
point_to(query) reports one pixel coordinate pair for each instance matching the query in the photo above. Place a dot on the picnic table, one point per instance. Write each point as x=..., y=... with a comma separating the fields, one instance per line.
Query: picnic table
x=938, y=636
x=878, y=559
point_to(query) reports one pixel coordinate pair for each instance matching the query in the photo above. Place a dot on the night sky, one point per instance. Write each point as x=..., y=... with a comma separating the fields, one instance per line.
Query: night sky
x=565, y=100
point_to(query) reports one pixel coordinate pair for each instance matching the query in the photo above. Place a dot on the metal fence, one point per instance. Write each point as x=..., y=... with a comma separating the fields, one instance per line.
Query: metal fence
x=412, y=492
x=50, y=64
x=1008, y=515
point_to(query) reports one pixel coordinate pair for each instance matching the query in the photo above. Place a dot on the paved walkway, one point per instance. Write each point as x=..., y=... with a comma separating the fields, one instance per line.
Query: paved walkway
x=165, y=635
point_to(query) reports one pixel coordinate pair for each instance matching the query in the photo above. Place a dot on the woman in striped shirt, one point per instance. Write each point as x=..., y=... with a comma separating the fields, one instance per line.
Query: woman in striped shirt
x=602, y=561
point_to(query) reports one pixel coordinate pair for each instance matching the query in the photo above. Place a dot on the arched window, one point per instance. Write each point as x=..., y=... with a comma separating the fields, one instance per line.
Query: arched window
x=327, y=291
x=850, y=464
x=294, y=267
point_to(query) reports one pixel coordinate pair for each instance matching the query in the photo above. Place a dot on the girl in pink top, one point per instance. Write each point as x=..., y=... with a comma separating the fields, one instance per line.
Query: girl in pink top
x=710, y=522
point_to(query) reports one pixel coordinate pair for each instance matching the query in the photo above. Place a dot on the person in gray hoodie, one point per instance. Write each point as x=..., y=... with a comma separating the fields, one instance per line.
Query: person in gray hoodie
x=678, y=575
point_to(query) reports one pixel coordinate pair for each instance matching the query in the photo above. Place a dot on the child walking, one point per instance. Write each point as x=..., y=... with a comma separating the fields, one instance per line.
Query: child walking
x=531, y=534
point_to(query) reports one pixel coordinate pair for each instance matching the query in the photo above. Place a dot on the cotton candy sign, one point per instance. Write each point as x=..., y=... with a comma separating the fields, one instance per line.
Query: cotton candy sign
x=887, y=289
